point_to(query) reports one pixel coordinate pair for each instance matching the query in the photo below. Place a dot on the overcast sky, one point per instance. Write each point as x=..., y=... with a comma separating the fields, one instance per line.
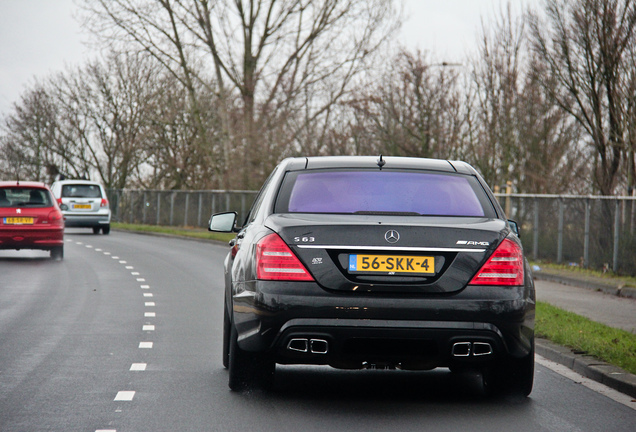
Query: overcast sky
x=41, y=37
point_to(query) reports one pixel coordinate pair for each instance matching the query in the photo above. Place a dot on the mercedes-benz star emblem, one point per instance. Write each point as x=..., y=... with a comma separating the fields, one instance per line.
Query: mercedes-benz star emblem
x=392, y=236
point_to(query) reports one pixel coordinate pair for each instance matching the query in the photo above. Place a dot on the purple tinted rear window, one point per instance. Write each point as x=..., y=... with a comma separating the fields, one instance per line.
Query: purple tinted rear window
x=384, y=192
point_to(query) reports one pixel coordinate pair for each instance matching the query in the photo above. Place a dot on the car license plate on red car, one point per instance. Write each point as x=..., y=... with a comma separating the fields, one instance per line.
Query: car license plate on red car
x=18, y=221
x=391, y=264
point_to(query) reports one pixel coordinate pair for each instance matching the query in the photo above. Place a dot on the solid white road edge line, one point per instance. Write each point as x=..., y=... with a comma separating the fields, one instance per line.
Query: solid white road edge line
x=591, y=384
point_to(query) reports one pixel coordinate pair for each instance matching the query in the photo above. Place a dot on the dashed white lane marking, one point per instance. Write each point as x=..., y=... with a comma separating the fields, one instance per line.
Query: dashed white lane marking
x=106, y=253
x=124, y=396
x=148, y=327
x=106, y=430
x=148, y=295
x=134, y=273
x=150, y=314
x=122, y=262
x=80, y=243
x=141, y=280
x=138, y=366
x=115, y=257
x=129, y=267
x=146, y=345
x=145, y=286
x=591, y=384
x=98, y=250
x=149, y=304
x=89, y=246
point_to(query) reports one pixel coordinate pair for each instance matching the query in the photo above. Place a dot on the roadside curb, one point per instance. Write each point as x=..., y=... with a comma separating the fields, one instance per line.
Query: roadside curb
x=588, y=366
x=608, y=288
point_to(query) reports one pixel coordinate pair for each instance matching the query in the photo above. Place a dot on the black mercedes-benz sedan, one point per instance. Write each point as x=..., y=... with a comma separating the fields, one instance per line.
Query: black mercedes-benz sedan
x=377, y=262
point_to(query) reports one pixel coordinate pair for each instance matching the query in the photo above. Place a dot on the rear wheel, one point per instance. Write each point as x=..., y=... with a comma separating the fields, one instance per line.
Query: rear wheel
x=227, y=325
x=515, y=377
x=57, y=253
x=247, y=369
x=106, y=229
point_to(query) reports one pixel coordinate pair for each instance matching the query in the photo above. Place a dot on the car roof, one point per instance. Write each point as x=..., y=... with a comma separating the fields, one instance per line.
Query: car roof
x=85, y=182
x=391, y=162
x=23, y=184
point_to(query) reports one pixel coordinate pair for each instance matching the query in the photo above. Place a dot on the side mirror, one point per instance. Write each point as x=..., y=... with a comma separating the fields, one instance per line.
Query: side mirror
x=223, y=222
x=514, y=227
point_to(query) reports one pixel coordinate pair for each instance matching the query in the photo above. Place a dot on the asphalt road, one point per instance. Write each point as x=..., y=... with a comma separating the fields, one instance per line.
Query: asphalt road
x=125, y=335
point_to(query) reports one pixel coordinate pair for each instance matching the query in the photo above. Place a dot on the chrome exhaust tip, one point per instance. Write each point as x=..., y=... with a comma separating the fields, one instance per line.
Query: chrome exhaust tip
x=298, y=345
x=481, y=349
x=318, y=346
x=461, y=349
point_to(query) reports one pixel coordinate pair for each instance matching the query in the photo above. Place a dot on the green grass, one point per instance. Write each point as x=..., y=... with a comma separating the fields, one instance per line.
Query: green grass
x=199, y=233
x=614, y=346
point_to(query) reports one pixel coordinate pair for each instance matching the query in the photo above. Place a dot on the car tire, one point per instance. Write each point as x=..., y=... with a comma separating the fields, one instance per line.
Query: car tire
x=247, y=369
x=57, y=253
x=106, y=229
x=227, y=325
x=96, y=230
x=516, y=377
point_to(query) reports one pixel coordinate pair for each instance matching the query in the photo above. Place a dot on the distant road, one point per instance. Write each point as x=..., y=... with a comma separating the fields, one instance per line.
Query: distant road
x=125, y=335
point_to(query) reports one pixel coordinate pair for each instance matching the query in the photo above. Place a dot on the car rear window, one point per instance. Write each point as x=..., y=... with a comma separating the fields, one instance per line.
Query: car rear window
x=25, y=197
x=383, y=192
x=81, y=191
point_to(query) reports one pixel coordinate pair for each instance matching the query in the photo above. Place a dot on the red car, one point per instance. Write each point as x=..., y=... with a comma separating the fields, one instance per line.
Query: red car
x=30, y=218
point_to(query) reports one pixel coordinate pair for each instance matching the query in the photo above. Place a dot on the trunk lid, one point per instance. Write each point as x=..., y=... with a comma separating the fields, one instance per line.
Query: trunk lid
x=396, y=254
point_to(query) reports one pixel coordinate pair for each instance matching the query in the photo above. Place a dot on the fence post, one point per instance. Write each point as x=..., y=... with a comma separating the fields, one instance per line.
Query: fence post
x=185, y=216
x=131, y=200
x=172, y=208
x=535, y=231
x=158, y=206
x=560, y=235
x=144, y=208
x=617, y=220
x=586, y=241
x=199, y=212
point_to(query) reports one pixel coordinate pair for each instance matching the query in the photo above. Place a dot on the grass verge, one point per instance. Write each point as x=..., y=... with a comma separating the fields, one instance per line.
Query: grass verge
x=199, y=233
x=614, y=346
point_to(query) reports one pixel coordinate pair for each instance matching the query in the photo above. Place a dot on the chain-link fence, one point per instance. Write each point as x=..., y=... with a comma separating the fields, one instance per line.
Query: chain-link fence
x=176, y=208
x=587, y=231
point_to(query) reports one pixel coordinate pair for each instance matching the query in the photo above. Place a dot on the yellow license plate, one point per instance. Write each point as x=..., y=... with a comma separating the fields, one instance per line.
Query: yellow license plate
x=391, y=264
x=82, y=206
x=18, y=221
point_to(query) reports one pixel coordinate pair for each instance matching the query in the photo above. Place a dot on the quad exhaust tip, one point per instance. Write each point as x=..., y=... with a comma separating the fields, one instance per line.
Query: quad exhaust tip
x=475, y=349
x=305, y=345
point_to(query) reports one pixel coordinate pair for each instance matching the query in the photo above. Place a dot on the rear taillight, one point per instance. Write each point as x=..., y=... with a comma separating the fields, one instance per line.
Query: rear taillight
x=59, y=201
x=104, y=203
x=275, y=261
x=56, y=217
x=504, y=267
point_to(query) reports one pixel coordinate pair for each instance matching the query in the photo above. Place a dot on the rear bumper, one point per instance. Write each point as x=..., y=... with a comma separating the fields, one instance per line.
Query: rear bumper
x=86, y=221
x=33, y=238
x=477, y=325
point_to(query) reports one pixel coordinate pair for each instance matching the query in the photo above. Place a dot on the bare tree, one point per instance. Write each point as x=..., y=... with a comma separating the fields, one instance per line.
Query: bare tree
x=415, y=109
x=102, y=111
x=585, y=45
x=285, y=61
